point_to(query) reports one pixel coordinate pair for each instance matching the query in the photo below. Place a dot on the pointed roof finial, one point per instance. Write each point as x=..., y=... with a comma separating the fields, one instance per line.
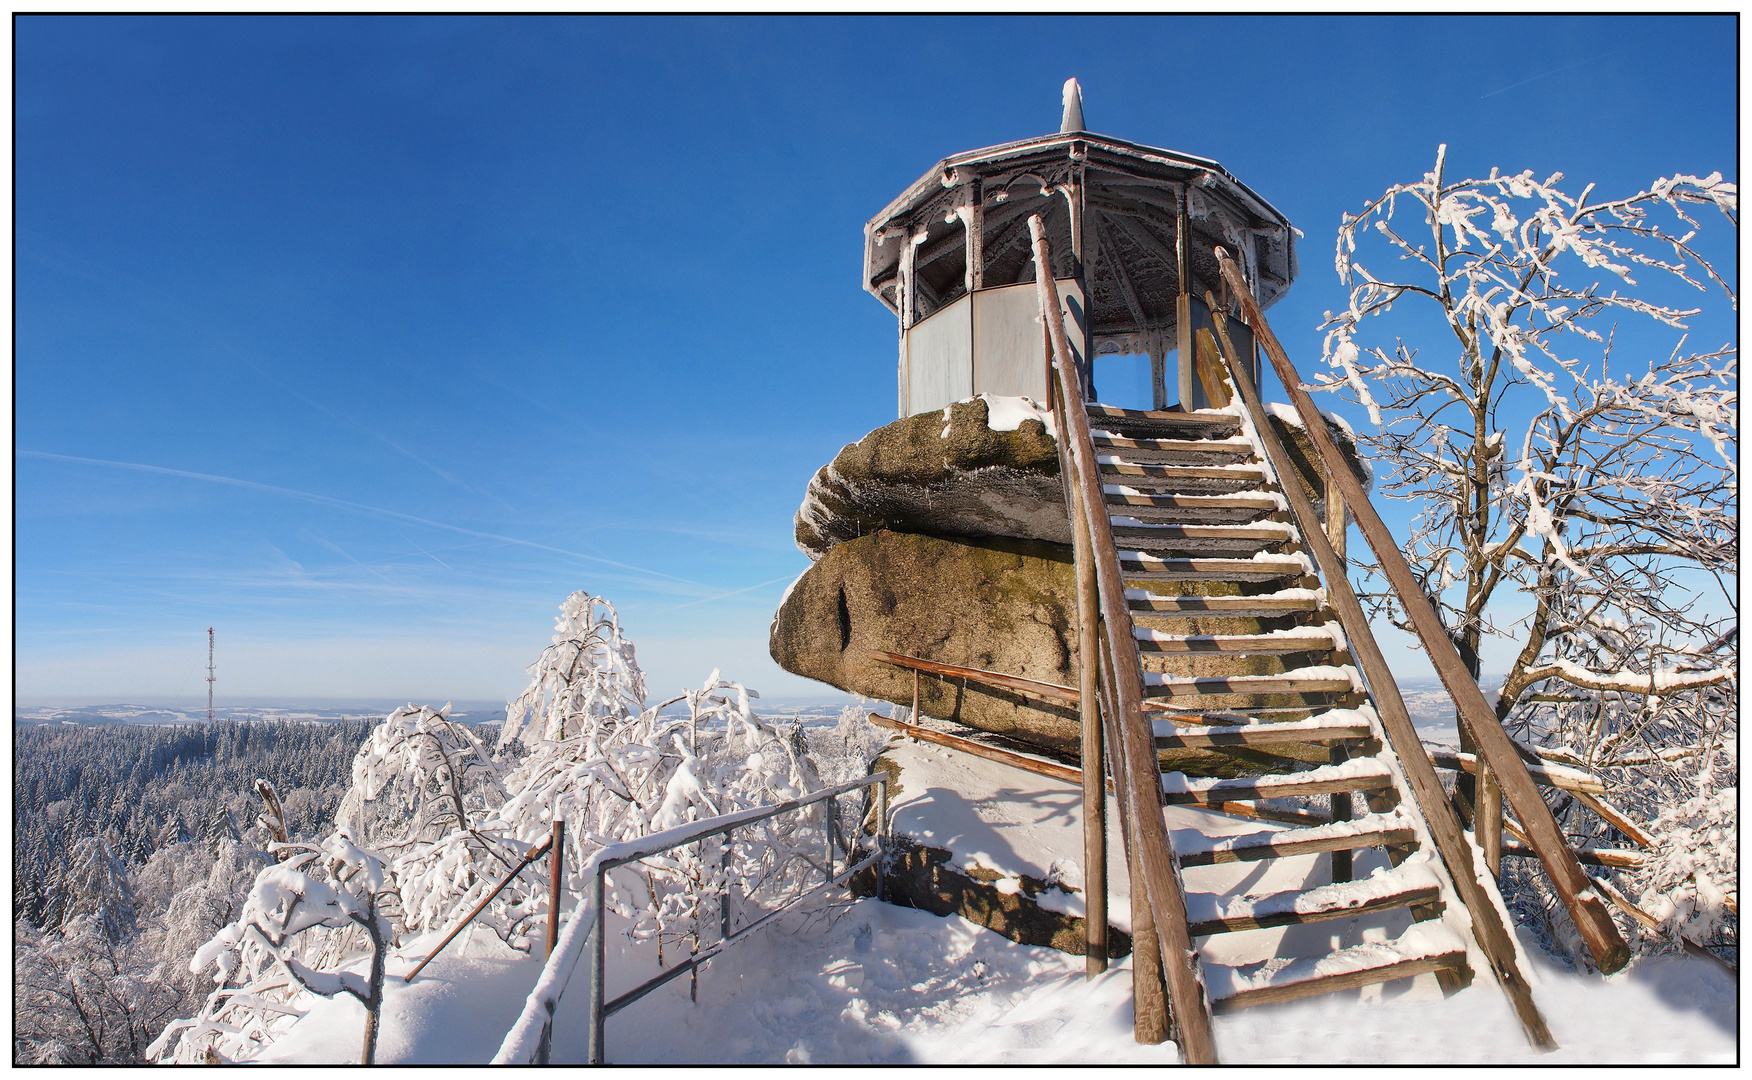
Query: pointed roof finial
x=1073, y=120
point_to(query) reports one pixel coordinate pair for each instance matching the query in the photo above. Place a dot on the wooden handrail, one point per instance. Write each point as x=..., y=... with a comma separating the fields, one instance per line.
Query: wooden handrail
x=1189, y=1004
x=1585, y=906
x=535, y=853
x=1050, y=691
x=1490, y=931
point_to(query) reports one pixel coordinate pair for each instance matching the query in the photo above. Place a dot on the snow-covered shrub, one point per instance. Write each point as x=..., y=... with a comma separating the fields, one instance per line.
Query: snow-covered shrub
x=308, y=908
x=422, y=783
x=1688, y=878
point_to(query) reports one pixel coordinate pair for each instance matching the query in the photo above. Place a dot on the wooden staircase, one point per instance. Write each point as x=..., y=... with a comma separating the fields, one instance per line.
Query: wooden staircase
x=1203, y=622
x=1232, y=624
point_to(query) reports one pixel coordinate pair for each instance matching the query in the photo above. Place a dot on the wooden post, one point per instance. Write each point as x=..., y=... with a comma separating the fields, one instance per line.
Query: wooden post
x=1089, y=718
x=1585, y=906
x=557, y=855
x=1154, y=850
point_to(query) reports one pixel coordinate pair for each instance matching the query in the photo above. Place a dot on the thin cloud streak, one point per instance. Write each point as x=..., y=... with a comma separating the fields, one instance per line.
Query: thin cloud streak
x=343, y=504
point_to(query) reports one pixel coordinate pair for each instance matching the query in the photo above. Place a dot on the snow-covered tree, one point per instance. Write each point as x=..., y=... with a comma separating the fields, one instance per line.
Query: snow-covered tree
x=269, y=955
x=1566, y=448
x=80, y=998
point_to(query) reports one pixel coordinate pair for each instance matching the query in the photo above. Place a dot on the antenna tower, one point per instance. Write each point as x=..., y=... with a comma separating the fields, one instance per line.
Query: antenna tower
x=209, y=674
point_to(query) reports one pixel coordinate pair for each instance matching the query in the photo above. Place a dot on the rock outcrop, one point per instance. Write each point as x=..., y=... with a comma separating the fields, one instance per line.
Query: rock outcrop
x=1000, y=604
x=941, y=475
x=957, y=476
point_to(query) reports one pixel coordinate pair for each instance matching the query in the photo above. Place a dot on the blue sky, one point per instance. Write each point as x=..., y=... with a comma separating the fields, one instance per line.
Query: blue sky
x=365, y=341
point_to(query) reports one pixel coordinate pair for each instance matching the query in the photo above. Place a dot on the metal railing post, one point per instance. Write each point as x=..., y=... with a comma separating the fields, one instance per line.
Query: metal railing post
x=882, y=839
x=556, y=878
x=598, y=965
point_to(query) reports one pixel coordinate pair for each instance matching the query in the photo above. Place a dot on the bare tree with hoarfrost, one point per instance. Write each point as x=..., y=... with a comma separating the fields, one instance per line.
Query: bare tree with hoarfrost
x=1542, y=460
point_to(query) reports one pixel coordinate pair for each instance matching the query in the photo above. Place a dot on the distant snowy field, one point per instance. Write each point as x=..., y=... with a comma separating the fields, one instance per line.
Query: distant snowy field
x=811, y=711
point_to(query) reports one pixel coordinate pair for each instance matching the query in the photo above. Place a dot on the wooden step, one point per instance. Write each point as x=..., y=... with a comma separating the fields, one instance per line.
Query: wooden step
x=1177, y=541
x=1109, y=465
x=1169, y=736
x=1358, y=774
x=1409, y=884
x=1175, y=509
x=1319, y=680
x=1371, y=830
x=1163, y=424
x=1267, y=606
x=1154, y=641
x=1172, y=451
x=1141, y=566
x=1424, y=947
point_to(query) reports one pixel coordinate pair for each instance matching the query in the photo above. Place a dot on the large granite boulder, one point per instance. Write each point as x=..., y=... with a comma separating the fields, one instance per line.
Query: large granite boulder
x=999, y=604
x=968, y=470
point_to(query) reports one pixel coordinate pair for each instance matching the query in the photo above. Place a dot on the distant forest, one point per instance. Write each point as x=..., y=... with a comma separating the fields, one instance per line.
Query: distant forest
x=141, y=788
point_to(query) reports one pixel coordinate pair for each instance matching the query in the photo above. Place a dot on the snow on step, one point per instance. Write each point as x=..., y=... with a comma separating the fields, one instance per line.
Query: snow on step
x=1322, y=677
x=1412, y=881
x=1362, y=772
x=1102, y=437
x=1258, y=530
x=1295, y=639
x=1197, y=848
x=1425, y=941
x=1169, y=736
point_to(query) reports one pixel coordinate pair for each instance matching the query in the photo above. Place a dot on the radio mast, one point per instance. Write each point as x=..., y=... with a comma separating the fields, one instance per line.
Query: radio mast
x=209, y=674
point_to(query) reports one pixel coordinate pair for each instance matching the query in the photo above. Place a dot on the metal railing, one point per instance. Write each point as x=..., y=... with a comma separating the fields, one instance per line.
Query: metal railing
x=530, y=1040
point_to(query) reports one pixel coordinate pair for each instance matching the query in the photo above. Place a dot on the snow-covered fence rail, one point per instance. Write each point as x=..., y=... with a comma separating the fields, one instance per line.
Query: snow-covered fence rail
x=530, y=1040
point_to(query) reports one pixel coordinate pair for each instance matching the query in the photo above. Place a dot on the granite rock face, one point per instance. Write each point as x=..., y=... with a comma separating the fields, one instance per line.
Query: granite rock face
x=957, y=477
x=938, y=476
x=999, y=604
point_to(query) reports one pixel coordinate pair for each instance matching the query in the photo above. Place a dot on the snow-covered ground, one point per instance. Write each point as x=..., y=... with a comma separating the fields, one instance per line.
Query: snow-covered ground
x=867, y=982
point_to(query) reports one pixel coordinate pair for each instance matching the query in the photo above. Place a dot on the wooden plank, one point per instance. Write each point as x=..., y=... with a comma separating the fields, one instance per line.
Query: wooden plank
x=1448, y=759
x=1192, y=502
x=1176, y=446
x=1097, y=411
x=1610, y=857
x=1348, y=980
x=1266, y=788
x=1277, y=849
x=1264, y=735
x=1248, y=684
x=1182, y=472
x=1154, y=850
x=1236, y=644
x=1052, y=691
x=1398, y=900
x=1239, y=606
x=1586, y=909
x=1489, y=921
x=1174, y=531
x=1092, y=744
x=1039, y=766
x=1616, y=818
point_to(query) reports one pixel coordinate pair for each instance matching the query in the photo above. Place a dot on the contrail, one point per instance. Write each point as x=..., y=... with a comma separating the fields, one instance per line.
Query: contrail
x=343, y=504
x=721, y=596
x=1542, y=75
